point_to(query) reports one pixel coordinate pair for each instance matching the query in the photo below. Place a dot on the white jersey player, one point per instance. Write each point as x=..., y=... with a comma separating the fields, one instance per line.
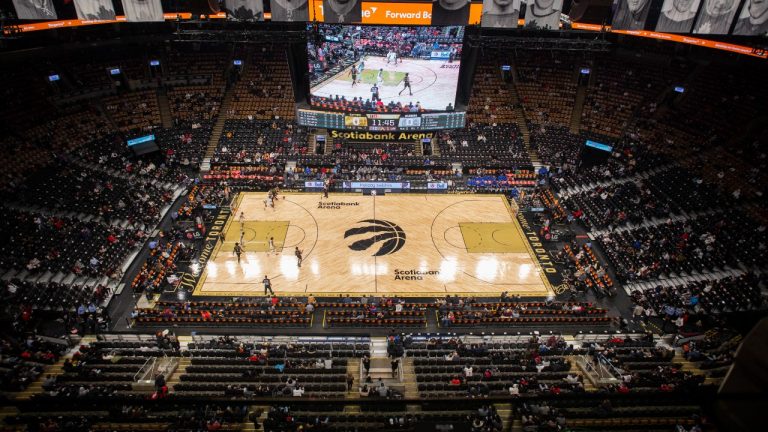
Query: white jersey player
x=392, y=57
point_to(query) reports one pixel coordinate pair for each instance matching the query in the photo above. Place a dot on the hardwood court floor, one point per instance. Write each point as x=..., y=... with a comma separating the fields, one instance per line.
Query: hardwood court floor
x=412, y=245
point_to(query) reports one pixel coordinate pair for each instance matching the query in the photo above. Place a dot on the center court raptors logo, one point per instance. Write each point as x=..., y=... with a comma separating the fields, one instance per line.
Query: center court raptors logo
x=376, y=231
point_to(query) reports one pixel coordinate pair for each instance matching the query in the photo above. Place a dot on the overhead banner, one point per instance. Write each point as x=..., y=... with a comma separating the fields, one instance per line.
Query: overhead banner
x=677, y=16
x=630, y=14
x=245, y=10
x=143, y=10
x=397, y=13
x=450, y=12
x=90, y=10
x=35, y=9
x=289, y=10
x=753, y=19
x=501, y=13
x=716, y=16
x=544, y=14
x=342, y=11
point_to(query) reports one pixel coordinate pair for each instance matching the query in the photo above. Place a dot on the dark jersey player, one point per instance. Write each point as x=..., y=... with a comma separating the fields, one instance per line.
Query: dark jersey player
x=375, y=93
x=406, y=85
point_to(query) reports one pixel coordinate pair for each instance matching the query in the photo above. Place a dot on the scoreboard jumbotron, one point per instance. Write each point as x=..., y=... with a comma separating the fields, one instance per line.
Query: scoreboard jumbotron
x=387, y=122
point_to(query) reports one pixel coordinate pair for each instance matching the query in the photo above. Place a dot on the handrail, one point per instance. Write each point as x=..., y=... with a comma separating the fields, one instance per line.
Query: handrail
x=142, y=370
x=607, y=364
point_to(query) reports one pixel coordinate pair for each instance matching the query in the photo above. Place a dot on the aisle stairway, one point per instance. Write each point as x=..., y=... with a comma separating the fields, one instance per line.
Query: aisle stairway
x=353, y=368
x=184, y=362
x=218, y=127
x=504, y=410
x=523, y=124
x=381, y=368
x=165, y=108
x=409, y=378
x=578, y=108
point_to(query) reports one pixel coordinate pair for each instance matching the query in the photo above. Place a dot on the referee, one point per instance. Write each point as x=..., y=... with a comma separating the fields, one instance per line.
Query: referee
x=267, y=286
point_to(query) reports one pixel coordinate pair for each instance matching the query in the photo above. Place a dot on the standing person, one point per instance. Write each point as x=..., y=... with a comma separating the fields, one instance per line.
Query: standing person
x=267, y=286
x=375, y=93
x=366, y=363
x=271, y=245
x=242, y=218
x=299, y=258
x=238, y=250
x=353, y=72
x=391, y=57
x=325, y=189
x=406, y=85
x=395, y=363
x=350, y=381
x=380, y=77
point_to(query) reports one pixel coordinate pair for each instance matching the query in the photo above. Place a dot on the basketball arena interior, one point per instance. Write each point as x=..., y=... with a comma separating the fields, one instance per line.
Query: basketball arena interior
x=384, y=215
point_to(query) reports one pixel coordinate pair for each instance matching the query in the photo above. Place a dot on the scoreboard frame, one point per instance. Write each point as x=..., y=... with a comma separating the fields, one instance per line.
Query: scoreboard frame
x=380, y=122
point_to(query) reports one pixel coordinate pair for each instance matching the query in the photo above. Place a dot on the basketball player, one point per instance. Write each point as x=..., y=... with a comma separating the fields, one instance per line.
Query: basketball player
x=392, y=57
x=267, y=285
x=374, y=93
x=271, y=245
x=406, y=85
x=237, y=250
x=380, y=77
x=353, y=72
x=242, y=217
x=299, y=258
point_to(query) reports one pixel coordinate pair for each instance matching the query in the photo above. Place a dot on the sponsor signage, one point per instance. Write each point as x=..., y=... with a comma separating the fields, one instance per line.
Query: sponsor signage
x=140, y=140
x=376, y=185
x=397, y=13
x=437, y=185
x=599, y=146
x=440, y=55
x=382, y=136
x=314, y=184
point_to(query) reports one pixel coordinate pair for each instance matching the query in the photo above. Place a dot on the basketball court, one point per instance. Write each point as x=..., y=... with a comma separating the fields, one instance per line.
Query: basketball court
x=433, y=82
x=409, y=244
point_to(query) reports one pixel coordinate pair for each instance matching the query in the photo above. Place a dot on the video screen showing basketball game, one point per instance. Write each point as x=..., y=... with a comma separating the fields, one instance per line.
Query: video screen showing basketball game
x=384, y=68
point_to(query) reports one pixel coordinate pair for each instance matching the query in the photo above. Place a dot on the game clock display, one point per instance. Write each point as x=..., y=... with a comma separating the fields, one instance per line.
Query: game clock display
x=381, y=122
